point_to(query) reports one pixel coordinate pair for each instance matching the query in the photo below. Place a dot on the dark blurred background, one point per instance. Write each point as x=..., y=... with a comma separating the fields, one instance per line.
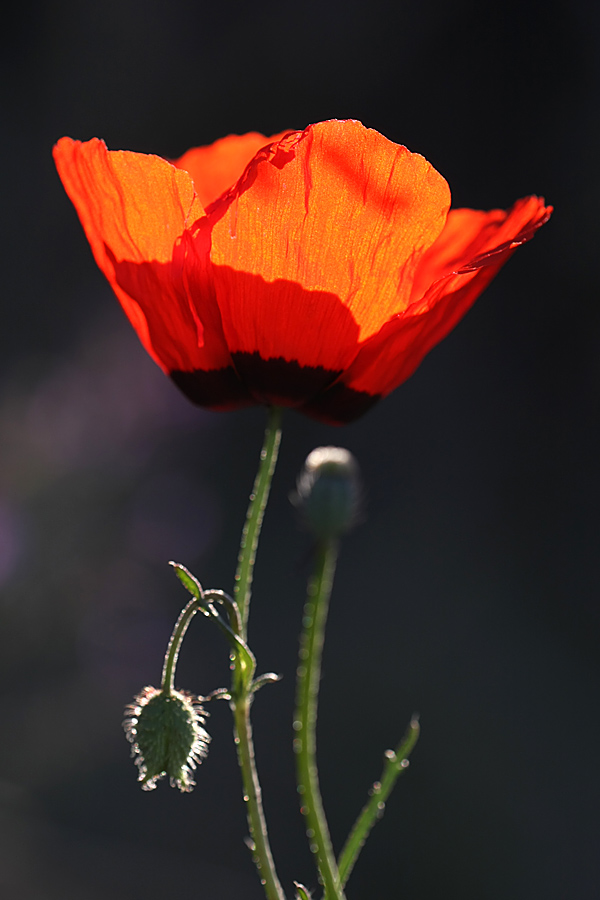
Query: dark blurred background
x=470, y=591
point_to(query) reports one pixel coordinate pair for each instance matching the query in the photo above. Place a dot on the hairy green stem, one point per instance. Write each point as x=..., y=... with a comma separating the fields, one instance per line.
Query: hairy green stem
x=305, y=719
x=396, y=762
x=181, y=626
x=254, y=516
x=257, y=826
x=241, y=695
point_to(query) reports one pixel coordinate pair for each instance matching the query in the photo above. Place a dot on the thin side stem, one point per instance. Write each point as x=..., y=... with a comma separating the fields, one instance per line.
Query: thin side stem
x=241, y=696
x=396, y=762
x=181, y=626
x=305, y=720
x=254, y=516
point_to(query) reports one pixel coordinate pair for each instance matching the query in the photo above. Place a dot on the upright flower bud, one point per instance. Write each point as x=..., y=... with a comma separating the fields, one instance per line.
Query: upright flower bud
x=328, y=492
x=167, y=737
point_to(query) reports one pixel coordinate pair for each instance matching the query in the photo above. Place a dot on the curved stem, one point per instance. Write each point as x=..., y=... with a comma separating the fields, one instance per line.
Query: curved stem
x=181, y=626
x=254, y=516
x=305, y=720
x=241, y=694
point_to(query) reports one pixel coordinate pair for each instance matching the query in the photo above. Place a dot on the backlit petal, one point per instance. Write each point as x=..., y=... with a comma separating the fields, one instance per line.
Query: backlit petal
x=470, y=233
x=216, y=168
x=334, y=221
x=485, y=241
x=136, y=211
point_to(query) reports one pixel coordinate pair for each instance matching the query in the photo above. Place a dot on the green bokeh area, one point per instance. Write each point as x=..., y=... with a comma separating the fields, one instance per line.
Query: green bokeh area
x=468, y=591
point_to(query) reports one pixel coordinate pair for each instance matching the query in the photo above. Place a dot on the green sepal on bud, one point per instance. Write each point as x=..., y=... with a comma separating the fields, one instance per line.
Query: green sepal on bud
x=328, y=492
x=166, y=735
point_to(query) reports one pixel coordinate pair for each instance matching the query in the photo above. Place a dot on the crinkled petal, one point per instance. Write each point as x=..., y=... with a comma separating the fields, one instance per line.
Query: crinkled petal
x=463, y=261
x=316, y=246
x=471, y=233
x=137, y=211
x=216, y=168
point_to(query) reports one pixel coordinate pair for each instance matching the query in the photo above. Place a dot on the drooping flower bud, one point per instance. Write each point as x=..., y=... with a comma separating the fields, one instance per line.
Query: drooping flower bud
x=328, y=492
x=167, y=737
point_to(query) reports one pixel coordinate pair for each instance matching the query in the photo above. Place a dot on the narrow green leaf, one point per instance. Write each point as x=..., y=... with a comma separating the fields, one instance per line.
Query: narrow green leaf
x=302, y=893
x=189, y=581
x=268, y=678
x=217, y=694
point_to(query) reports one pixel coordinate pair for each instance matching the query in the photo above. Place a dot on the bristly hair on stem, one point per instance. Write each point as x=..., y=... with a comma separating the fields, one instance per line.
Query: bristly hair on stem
x=241, y=688
x=305, y=718
x=254, y=517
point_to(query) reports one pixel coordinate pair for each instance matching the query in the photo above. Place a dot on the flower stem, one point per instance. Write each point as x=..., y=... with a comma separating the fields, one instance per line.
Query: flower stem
x=254, y=516
x=396, y=762
x=181, y=626
x=305, y=720
x=241, y=696
x=257, y=825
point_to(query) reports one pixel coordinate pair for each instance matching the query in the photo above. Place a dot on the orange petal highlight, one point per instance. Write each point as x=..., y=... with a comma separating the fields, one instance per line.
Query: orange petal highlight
x=216, y=168
x=464, y=260
x=136, y=210
x=471, y=233
x=337, y=210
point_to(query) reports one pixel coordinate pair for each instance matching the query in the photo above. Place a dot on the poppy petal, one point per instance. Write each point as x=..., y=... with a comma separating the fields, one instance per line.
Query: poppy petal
x=330, y=224
x=469, y=233
x=388, y=358
x=318, y=279
x=137, y=211
x=216, y=168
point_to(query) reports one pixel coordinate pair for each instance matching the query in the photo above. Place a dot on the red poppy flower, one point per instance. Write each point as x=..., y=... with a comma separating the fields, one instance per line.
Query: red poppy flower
x=313, y=270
